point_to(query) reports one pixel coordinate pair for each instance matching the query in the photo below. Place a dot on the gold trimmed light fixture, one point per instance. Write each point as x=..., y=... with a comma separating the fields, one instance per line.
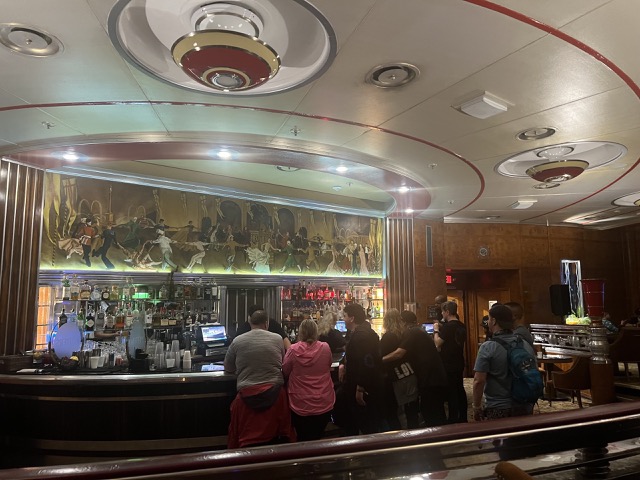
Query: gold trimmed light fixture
x=240, y=47
x=556, y=164
x=226, y=60
x=557, y=172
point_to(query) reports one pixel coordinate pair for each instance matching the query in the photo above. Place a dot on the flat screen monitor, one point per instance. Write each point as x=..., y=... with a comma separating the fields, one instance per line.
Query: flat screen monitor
x=428, y=327
x=213, y=334
x=341, y=326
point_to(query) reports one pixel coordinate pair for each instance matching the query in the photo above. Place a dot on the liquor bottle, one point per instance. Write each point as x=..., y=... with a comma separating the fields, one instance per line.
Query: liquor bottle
x=199, y=290
x=90, y=323
x=66, y=288
x=96, y=294
x=114, y=295
x=128, y=318
x=187, y=290
x=303, y=290
x=85, y=290
x=62, y=319
x=109, y=321
x=105, y=295
x=75, y=289
x=148, y=317
x=207, y=291
x=163, y=292
x=100, y=319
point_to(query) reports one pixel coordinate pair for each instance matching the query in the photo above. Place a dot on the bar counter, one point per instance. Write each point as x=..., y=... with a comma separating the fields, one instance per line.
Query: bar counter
x=113, y=414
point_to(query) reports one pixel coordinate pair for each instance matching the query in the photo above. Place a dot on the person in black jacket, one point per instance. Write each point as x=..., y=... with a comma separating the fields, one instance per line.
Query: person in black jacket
x=328, y=333
x=362, y=373
x=419, y=349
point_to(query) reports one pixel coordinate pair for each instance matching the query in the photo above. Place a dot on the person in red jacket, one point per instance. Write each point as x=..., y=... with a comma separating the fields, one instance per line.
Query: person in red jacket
x=307, y=369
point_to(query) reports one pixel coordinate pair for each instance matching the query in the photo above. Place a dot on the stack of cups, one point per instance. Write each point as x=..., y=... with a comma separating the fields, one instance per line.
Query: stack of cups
x=158, y=359
x=175, y=351
x=186, y=361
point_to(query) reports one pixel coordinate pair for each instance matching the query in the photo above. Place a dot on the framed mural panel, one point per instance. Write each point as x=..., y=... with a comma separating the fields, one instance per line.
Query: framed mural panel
x=102, y=225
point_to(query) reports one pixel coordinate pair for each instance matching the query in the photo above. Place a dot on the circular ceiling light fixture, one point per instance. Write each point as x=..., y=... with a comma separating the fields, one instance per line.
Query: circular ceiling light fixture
x=562, y=162
x=28, y=40
x=557, y=172
x=247, y=47
x=629, y=200
x=392, y=75
x=535, y=133
x=226, y=60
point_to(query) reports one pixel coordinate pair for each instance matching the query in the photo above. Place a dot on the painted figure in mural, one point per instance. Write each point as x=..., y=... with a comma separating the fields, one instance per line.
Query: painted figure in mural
x=363, y=261
x=131, y=240
x=165, y=248
x=353, y=249
x=199, y=255
x=282, y=239
x=85, y=235
x=161, y=226
x=258, y=259
x=108, y=236
x=185, y=234
x=311, y=257
x=291, y=260
x=333, y=268
x=231, y=247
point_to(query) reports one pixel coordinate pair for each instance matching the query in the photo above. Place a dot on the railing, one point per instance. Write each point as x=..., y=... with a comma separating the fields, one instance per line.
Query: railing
x=567, y=339
x=392, y=454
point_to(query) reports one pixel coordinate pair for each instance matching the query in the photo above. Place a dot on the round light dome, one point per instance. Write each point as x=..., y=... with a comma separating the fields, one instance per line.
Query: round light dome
x=556, y=172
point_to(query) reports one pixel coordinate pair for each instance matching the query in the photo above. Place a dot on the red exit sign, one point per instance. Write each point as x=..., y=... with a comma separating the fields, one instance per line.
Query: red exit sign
x=448, y=279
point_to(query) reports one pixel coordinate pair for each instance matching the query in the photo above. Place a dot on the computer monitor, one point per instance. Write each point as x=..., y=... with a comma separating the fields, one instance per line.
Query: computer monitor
x=213, y=333
x=428, y=327
x=341, y=326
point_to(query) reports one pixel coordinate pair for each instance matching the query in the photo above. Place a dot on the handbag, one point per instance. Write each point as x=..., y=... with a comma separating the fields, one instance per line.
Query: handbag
x=405, y=383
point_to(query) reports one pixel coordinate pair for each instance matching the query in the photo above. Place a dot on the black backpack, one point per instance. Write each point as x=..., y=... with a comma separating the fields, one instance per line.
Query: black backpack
x=526, y=381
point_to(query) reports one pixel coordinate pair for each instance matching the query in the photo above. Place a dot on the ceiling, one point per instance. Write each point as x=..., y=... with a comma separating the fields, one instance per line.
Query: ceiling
x=569, y=66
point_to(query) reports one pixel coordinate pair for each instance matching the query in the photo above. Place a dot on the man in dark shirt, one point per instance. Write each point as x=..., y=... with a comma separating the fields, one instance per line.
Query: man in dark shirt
x=362, y=373
x=274, y=326
x=420, y=350
x=450, y=337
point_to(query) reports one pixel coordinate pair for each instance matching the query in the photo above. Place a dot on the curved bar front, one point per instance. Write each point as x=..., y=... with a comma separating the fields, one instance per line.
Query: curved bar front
x=114, y=415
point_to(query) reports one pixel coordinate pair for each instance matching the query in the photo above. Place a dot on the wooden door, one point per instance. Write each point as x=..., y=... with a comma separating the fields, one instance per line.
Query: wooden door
x=480, y=303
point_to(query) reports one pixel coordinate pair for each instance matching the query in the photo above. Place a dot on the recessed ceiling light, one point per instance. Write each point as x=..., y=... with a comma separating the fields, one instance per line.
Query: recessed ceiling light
x=404, y=189
x=224, y=154
x=409, y=210
x=70, y=156
x=283, y=168
x=341, y=169
x=337, y=188
x=535, y=133
x=491, y=217
x=392, y=75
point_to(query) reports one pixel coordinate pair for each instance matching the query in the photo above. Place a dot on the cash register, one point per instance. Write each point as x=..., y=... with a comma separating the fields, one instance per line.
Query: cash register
x=211, y=341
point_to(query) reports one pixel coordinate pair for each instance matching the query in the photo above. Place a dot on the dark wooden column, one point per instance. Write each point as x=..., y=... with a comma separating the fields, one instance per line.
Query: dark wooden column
x=401, y=278
x=21, y=194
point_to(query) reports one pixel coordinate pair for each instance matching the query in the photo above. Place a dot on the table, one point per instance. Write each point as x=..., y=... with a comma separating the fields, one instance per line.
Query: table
x=548, y=361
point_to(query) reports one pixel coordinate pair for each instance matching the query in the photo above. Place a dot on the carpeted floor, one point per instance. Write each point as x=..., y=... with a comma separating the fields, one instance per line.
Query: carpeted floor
x=543, y=406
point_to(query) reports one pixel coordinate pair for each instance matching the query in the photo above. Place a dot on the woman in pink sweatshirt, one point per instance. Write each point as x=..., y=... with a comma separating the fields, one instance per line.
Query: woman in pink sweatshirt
x=307, y=369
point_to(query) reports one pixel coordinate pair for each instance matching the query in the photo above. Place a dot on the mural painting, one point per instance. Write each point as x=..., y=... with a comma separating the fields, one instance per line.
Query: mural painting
x=98, y=225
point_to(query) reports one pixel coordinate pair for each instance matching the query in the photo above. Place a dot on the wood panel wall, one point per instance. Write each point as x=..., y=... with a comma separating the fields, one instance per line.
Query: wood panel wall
x=21, y=190
x=526, y=259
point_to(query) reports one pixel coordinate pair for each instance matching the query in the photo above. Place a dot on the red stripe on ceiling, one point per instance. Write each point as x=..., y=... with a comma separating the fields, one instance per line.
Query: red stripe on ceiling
x=586, y=49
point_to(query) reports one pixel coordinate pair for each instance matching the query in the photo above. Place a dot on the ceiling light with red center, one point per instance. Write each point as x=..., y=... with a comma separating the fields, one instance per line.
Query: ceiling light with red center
x=248, y=47
x=557, y=172
x=555, y=164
